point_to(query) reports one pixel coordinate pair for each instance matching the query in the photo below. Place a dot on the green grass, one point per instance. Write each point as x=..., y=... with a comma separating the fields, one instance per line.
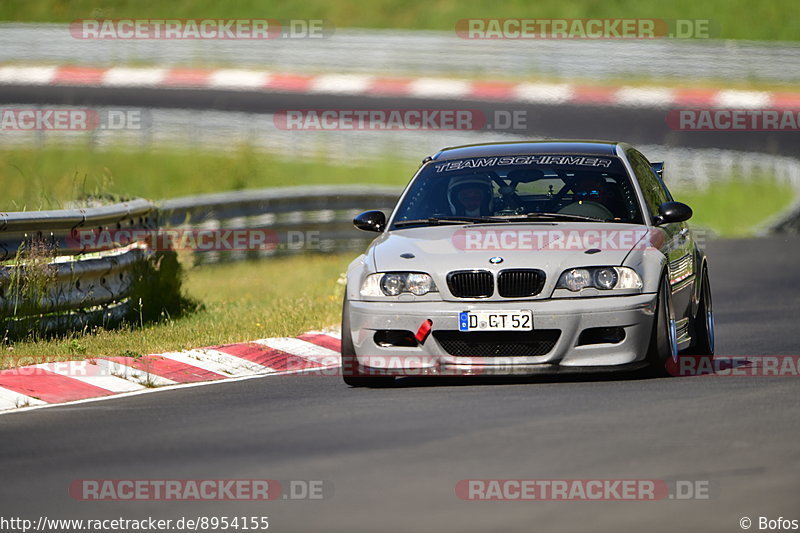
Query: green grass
x=241, y=301
x=49, y=178
x=737, y=19
x=736, y=208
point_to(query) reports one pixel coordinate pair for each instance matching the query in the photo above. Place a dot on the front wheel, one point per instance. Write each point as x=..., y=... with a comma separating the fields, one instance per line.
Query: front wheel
x=664, y=338
x=703, y=338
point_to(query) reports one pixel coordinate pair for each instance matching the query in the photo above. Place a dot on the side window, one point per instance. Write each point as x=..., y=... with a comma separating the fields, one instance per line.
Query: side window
x=654, y=193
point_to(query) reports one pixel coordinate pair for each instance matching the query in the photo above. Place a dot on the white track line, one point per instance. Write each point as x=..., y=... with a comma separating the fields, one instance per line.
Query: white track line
x=92, y=374
x=436, y=87
x=218, y=362
x=134, y=77
x=644, y=97
x=31, y=75
x=745, y=99
x=36, y=403
x=341, y=84
x=334, y=333
x=10, y=399
x=136, y=375
x=127, y=381
x=238, y=79
x=544, y=93
x=303, y=349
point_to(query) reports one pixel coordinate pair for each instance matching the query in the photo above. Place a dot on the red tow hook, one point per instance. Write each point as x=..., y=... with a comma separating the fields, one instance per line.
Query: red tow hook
x=423, y=331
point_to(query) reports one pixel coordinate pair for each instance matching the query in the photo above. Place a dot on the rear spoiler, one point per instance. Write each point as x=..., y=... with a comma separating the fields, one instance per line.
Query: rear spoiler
x=658, y=168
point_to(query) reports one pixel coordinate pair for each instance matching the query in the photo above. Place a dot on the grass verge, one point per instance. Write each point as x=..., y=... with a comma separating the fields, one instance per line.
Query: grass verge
x=50, y=177
x=737, y=207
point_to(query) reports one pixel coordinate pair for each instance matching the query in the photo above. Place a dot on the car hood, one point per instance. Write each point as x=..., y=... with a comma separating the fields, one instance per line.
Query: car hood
x=551, y=247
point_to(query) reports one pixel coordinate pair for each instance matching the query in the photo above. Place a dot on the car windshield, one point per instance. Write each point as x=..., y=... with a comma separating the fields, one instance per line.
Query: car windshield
x=520, y=188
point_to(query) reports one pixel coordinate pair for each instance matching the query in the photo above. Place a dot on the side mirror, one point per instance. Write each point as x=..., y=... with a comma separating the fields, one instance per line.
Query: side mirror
x=672, y=212
x=370, y=221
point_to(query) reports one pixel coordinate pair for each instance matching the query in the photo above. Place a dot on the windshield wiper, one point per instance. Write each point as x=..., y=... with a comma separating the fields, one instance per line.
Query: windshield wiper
x=553, y=216
x=434, y=221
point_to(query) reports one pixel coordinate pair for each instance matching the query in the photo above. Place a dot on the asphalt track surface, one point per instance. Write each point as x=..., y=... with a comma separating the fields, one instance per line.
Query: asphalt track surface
x=637, y=125
x=393, y=456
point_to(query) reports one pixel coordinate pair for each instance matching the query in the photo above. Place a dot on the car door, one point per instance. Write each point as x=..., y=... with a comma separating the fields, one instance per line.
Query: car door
x=678, y=243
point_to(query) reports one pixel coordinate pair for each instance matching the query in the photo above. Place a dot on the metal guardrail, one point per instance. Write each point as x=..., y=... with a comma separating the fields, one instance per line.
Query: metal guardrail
x=80, y=284
x=79, y=287
x=434, y=53
x=51, y=281
x=58, y=229
x=298, y=219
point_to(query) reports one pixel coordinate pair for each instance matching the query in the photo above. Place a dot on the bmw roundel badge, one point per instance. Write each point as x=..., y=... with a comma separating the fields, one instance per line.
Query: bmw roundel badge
x=496, y=260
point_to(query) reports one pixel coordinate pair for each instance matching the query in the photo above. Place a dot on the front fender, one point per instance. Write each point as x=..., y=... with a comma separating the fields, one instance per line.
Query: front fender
x=702, y=261
x=649, y=263
x=357, y=270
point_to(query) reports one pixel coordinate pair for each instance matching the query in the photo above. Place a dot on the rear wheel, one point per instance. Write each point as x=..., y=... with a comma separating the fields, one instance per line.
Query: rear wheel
x=351, y=373
x=664, y=338
x=703, y=337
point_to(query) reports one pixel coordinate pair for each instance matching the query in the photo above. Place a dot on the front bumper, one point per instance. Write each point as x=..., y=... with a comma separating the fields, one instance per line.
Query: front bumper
x=570, y=316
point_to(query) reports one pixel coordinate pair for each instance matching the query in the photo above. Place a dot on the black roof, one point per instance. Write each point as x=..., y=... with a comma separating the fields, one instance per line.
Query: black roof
x=607, y=148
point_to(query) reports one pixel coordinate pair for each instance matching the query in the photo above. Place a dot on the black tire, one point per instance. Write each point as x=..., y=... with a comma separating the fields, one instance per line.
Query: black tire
x=703, y=322
x=663, y=345
x=351, y=374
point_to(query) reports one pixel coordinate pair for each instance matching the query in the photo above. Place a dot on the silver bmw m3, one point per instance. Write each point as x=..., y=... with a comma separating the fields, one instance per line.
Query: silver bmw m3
x=527, y=257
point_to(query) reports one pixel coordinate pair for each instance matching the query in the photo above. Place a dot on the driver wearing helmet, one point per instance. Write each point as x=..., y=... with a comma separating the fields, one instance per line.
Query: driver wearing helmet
x=590, y=193
x=470, y=196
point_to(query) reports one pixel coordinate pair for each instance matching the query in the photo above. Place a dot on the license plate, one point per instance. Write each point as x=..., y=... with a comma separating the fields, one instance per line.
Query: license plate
x=495, y=321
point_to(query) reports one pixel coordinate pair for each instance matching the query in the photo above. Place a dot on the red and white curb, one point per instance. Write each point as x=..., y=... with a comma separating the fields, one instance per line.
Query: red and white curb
x=367, y=85
x=70, y=381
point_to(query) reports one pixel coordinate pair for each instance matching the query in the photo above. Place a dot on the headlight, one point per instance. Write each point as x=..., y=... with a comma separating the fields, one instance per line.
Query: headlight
x=628, y=279
x=603, y=278
x=395, y=283
x=575, y=279
x=419, y=284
